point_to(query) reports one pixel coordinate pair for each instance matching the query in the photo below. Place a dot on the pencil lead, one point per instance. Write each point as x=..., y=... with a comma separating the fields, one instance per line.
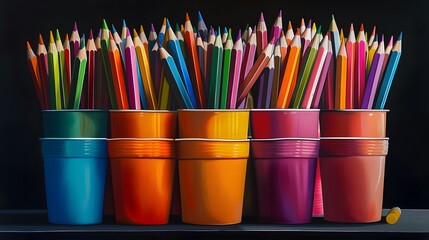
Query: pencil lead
x=361, y=27
x=75, y=26
x=229, y=34
x=113, y=28
x=135, y=33
x=123, y=23
x=167, y=24
x=67, y=37
x=82, y=42
x=152, y=27
x=200, y=18
x=51, y=37
x=400, y=36
x=261, y=18
x=41, y=40
x=187, y=17
x=28, y=45
x=91, y=36
x=105, y=24
x=57, y=35
x=177, y=27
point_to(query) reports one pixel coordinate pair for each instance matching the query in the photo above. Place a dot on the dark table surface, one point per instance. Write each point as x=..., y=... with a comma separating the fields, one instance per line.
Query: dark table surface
x=33, y=224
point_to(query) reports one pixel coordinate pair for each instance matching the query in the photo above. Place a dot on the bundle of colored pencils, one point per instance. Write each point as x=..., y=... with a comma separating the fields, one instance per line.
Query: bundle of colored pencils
x=197, y=67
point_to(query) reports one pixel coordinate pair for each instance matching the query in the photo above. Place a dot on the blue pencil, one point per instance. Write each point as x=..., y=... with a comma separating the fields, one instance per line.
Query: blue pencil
x=389, y=73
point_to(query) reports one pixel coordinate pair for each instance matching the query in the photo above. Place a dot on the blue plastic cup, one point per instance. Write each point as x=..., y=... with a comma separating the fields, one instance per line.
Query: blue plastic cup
x=75, y=173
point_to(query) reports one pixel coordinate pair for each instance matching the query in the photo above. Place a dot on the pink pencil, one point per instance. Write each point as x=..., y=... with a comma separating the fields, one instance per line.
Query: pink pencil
x=249, y=56
x=351, y=58
x=330, y=80
x=374, y=76
x=234, y=74
x=277, y=27
x=261, y=35
x=132, y=79
x=323, y=74
x=316, y=70
x=305, y=39
x=360, y=67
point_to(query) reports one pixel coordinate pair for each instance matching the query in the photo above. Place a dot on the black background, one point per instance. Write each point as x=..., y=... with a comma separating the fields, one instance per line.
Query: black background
x=21, y=164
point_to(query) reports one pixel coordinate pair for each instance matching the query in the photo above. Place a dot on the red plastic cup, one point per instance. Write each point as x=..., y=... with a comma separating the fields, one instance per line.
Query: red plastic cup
x=352, y=171
x=353, y=123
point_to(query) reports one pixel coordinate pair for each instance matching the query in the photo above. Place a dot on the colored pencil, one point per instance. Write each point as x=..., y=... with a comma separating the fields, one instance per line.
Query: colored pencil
x=373, y=76
x=215, y=74
x=255, y=71
x=289, y=33
x=224, y=35
x=386, y=54
x=269, y=74
x=74, y=42
x=61, y=64
x=371, y=52
x=202, y=28
x=175, y=80
x=143, y=101
x=261, y=35
x=341, y=78
x=305, y=69
x=146, y=76
x=133, y=89
x=194, y=63
x=277, y=65
x=105, y=41
x=181, y=39
x=35, y=74
x=313, y=30
x=330, y=81
x=360, y=72
x=177, y=54
x=226, y=69
x=91, y=74
x=208, y=59
x=42, y=59
x=234, y=75
x=335, y=36
x=305, y=40
x=372, y=36
x=54, y=74
x=389, y=73
x=316, y=70
x=288, y=81
x=161, y=33
x=324, y=74
x=283, y=46
x=201, y=53
x=118, y=77
x=302, y=27
x=153, y=36
x=164, y=96
x=78, y=76
x=351, y=68
x=101, y=98
x=249, y=57
x=67, y=67
x=144, y=40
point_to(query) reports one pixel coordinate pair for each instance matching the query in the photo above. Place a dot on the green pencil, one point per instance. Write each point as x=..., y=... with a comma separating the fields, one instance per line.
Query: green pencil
x=105, y=52
x=215, y=73
x=78, y=76
x=54, y=74
x=61, y=62
x=226, y=69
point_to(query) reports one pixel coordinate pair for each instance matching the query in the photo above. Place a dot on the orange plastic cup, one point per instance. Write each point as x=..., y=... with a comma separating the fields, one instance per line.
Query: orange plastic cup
x=352, y=173
x=212, y=175
x=143, y=123
x=213, y=123
x=353, y=123
x=142, y=177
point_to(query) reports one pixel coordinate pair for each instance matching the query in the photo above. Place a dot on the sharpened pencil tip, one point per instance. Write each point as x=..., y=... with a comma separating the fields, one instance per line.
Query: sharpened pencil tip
x=28, y=45
x=152, y=27
x=382, y=38
x=67, y=37
x=351, y=27
x=361, y=27
x=200, y=18
x=280, y=13
x=373, y=30
x=309, y=24
x=164, y=21
x=91, y=36
x=187, y=17
x=124, y=25
x=177, y=27
x=400, y=36
x=229, y=35
x=105, y=24
x=41, y=40
x=75, y=26
x=261, y=17
x=128, y=32
x=239, y=35
x=113, y=28
x=57, y=35
x=319, y=30
x=99, y=33
x=167, y=24
x=141, y=29
x=289, y=25
x=51, y=37
x=135, y=33
x=390, y=40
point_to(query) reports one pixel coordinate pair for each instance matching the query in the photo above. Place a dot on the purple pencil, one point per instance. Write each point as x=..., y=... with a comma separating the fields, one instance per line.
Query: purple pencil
x=277, y=27
x=269, y=73
x=132, y=79
x=373, y=76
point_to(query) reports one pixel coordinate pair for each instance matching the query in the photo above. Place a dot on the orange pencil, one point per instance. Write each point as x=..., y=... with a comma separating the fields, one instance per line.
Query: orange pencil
x=117, y=75
x=34, y=70
x=288, y=81
x=341, y=78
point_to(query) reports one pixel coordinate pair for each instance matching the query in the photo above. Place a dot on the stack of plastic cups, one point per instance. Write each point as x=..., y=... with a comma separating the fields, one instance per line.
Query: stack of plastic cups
x=212, y=150
x=74, y=151
x=142, y=158
x=353, y=150
x=285, y=148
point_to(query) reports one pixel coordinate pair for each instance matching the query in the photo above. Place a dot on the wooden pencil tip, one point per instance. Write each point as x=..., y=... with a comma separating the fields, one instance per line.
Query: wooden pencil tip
x=51, y=37
x=99, y=33
x=91, y=36
x=57, y=35
x=200, y=18
x=141, y=29
x=152, y=27
x=319, y=30
x=187, y=17
x=113, y=28
x=373, y=30
x=164, y=21
x=351, y=27
x=167, y=23
x=280, y=13
x=135, y=33
x=128, y=32
x=75, y=26
x=309, y=24
x=361, y=27
x=28, y=45
x=124, y=25
x=239, y=35
x=289, y=25
x=82, y=42
x=391, y=40
x=177, y=27
x=41, y=40
x=382, y=38
x=67, y=37
x=261, y=17
x=400, y=36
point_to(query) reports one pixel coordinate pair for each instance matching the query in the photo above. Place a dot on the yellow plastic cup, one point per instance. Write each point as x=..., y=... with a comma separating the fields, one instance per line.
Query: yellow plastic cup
x=212, y=175
x=213, y=123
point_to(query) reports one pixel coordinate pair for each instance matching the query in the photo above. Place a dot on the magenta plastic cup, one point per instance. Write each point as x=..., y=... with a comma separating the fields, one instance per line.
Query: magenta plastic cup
x=285, y=176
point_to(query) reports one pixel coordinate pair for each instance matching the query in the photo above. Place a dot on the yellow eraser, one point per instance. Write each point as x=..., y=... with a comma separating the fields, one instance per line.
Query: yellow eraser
x=393, y=215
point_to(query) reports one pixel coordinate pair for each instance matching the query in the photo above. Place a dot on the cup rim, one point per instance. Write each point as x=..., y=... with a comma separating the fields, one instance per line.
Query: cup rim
x=354, y=110
x=354, y=138
x=140, y=139
x=283, y=139
x=211, y=140
x=74, y=110
x=285, y=110
x=141, y=110
x=67, y=138
x=212, y=110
